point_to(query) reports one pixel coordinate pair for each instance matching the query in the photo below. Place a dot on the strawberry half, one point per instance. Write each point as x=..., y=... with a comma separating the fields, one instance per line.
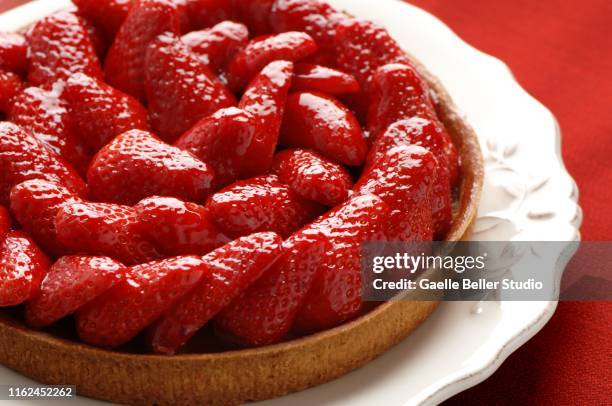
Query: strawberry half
x=228, y=272
x=13, y=52
x=11, y=85
x=255, y=14
x=206, y=13
x=180, y=88
x=71, y=282
x=107, y=15
x=265, y=98
x=309, y=77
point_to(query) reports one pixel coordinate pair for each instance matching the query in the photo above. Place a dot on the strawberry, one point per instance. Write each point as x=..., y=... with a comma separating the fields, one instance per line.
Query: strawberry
x=71, y=282
x=5, y=222
x=322, y=123
x=125, y=64
x=107, y=15
x=22, y=268
x=313, y=176
x=59, y=47
x=104, y=229
x=24, y=157
x=179, y=228
x=100, y=112
x=10, y=86
x=260, y=204
x=265, y=98
x=255, y=14
x=363, y=46
x=228, y=272
x=13, y=52
x=45, y=115
x=97, y=39
x=137, y=164
x=206, y=13
x=145, y=293
x=221, y=141
x=35, y=204
x=309, y=77
x=289, y=46
x=180, y=88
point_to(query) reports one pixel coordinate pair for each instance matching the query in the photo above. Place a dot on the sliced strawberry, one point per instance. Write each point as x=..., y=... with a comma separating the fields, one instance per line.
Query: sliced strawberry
x=145, y=293
x=5, y=222
x=137, y=164
x=309, y=77
x=100, y=112
x=265, y=98
x=104, y=229
x=221, y=141
x=24, y=157
x=124, y=67
x=363, y=46
x=288, y=46
x=45, y=115
x=313, y=176
x=322, y=123
x=206, y=13
x=59, y=47
x=107, y=15
x=260, y=204
x=71, y=282
x=22, y=268
x=13, y=52
x=179, y=228
x=10, y=86
x=255, y=14
x=228, y=272
x=35, y=204
x=180, y=88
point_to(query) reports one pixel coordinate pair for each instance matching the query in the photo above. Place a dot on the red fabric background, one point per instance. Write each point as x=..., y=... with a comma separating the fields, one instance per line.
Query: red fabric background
x=561, y=52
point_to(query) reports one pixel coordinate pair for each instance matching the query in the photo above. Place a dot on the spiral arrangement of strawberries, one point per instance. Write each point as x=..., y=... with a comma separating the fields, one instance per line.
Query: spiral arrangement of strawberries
x=166, y=164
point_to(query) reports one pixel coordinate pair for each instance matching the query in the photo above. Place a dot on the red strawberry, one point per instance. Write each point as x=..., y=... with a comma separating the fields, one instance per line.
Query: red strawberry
x=288, y=46
x=24, y=157
x=35, y=204
x=71, y=283
x=221, y=141
x=363, y=46
x=59, y=47
x=45, y=115
x=404, y=178
x=206, y=13
x=108, y=15
x=179, y=228
x=5, y=222
x=104, y=229
x=265, y=98
x=260, y=204
x=313, y=176
x=180, y=88
x=228, y=272
x=137, y=164
x=125, y=63
x=97, y=39
x=22, y=268
x=319, y=122
x=100, y=112
x=255, y=14
x=13, y=52
x=10, y=86
x=146, y=292
x=318, y=78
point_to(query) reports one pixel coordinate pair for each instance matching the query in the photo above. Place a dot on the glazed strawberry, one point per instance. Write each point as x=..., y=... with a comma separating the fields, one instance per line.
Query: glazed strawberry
x=404, y=178
x=181, y=89
x=98, y=39
x=5, y=222
x=100, y=112
x=322, y=123
x=145, y=293
x=35, y=204
x=363, y=46
x=255, y=14
x=221, y=141
x=59, y=47
x=309, y=77
x=71, y=282
x=179, y=228
x=45, y=115
x=265, y=98
x=13, y=52
x=22, y=268
x=137, y=164
x=228, y=272
x=107, y=15
x=260, y=204
x=206, y=13
x=10, y=86
x=313, y=176
x=289, y=46
x=124, y=67
x=104, y=229
x=24, y=157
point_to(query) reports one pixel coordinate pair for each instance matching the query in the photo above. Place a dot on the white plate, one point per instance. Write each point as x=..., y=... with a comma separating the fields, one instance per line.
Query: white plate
x=528, y=196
